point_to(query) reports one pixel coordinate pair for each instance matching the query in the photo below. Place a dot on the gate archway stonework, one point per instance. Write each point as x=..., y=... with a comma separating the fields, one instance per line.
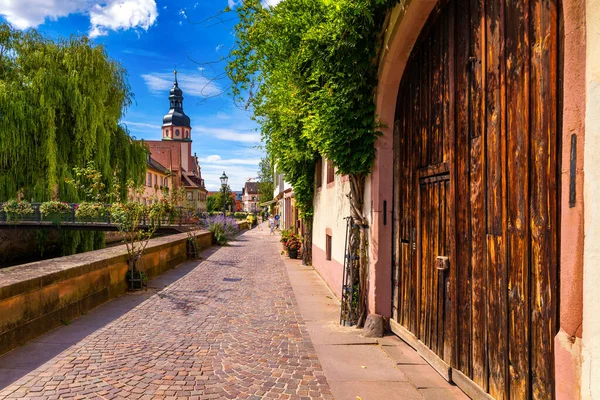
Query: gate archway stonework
x=404, y=26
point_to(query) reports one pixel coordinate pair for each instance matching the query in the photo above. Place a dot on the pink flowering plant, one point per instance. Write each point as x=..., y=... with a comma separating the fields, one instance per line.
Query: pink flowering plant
x=54, y=210
x=16, y=209
x=88, y=211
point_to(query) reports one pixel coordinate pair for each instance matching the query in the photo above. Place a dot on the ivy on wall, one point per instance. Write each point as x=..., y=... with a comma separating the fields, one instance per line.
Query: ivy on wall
x=308, y=71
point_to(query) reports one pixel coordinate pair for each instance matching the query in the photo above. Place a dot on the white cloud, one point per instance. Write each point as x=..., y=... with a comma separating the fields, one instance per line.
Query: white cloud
x=190, y=82
x=131, y=125
x=104, y=15
x=122, y=14
x=237, y=174
x=216, y=160
x=218, y=47
x=271, y=3
x=229, y=134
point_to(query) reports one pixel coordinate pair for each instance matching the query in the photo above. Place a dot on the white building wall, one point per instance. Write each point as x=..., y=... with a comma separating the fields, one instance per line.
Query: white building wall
x=331, y=206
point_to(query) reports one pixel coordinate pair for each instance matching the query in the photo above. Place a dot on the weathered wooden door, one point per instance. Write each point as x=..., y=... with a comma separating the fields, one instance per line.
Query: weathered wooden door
x=476, y=193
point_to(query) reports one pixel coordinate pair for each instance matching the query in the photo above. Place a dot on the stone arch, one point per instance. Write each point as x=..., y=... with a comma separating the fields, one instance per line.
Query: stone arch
x=403, y=28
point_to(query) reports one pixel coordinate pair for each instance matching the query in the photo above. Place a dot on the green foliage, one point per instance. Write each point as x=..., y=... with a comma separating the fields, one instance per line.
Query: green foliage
x=90, y=211
x=60, y=106
x=240, y=215
x=214, y=202
x=17, y=208
x=54, y=208
x=265, y=180
x=308, y=70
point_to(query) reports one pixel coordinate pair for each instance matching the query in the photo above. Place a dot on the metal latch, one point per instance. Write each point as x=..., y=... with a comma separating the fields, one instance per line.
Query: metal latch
x=442, y=263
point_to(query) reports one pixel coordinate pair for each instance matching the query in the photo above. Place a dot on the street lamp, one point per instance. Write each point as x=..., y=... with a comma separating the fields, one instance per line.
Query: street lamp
x=224, y=179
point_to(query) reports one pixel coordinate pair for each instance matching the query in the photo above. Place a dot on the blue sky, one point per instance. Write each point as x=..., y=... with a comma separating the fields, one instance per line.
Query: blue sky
x=151, y=38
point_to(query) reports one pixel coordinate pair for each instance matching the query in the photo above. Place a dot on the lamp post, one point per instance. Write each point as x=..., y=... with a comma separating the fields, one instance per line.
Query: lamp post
x=224, y=179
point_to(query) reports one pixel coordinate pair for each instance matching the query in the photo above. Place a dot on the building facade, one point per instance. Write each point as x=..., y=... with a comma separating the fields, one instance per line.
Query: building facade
x=174, y=152
x=250, y=197
x=285, y=203
x=482, y=254
x=158, y=182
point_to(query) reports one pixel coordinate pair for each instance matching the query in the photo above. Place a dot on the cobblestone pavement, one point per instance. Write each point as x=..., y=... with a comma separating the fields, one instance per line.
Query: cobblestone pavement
x=230, y=329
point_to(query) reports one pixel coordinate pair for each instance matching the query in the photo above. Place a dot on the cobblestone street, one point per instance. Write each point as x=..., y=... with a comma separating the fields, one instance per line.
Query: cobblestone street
x=229, y=329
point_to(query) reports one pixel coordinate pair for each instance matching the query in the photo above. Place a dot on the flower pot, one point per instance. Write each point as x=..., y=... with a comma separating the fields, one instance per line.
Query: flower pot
x=293, y=254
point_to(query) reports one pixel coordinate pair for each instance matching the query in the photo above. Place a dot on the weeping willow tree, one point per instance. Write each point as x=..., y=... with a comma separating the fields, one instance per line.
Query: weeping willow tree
x=60, y=106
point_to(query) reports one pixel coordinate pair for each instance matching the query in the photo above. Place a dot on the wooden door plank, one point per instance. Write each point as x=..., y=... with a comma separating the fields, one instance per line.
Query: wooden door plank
x=544, y=193
x=479, y=292
x=462, y=260
x=435, y=251
x=517, y=92
x=494, y=116
x=477, y=194
x=497, y=338
x=449, y=336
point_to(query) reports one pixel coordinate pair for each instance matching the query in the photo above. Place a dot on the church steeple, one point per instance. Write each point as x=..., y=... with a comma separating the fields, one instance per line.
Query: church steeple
x=176, y=125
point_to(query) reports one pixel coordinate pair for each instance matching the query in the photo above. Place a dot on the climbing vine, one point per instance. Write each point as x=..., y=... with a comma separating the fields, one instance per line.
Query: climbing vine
x=308, y=71
x=60, y=106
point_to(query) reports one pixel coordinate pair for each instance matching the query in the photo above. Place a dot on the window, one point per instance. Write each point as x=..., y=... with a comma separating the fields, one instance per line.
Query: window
x=190, y=196
x=149, y=180
x=330, y=171
x=328, y=247
x=155, y=180
x=319, y=173
x=176, y=132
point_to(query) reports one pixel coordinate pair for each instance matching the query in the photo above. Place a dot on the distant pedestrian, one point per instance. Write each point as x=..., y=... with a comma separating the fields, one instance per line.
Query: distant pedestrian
x=272, y=225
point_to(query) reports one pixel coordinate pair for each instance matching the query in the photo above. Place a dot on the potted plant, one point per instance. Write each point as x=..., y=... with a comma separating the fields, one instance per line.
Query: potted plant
x=54, y=210
x=88, y=211
x=16, y=209
x=292, y=245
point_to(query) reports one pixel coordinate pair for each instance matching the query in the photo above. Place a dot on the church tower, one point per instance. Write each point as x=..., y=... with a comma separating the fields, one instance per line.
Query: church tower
x=176, y=125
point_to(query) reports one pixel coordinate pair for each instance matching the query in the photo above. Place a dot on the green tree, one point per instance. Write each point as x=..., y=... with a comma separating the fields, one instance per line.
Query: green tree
x=265, y=183
x=214, y=202
x=308, y=70
x=210, y=203
x=60, y=105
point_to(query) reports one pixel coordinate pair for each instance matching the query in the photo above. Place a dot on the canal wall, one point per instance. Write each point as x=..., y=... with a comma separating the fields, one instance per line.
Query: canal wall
x=38, y=297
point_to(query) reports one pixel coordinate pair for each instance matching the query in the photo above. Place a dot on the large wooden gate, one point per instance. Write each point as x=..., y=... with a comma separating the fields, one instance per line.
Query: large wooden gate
x=476, y=193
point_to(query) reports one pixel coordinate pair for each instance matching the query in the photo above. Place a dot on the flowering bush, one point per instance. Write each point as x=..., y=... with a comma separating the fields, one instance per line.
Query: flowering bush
x=16, y=208
x=87, y=210
x=223, y=228
x=293, y=243
x=54, y=208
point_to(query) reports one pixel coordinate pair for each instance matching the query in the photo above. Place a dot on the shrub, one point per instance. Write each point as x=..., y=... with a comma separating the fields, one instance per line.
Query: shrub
x=223, y=229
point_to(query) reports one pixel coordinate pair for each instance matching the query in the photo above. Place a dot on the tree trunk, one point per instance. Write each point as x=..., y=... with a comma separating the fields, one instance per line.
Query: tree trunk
x=357, y=246
x=307, y=242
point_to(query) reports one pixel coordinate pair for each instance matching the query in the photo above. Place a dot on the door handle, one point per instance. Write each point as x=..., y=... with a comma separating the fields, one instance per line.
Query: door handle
x=442, y=263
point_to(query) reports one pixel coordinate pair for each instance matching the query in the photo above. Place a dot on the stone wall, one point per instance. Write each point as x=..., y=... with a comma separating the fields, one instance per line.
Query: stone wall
x=37, y=297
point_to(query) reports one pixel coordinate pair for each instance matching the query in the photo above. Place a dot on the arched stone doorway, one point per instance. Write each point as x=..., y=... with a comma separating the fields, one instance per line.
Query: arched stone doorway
x=403, y=30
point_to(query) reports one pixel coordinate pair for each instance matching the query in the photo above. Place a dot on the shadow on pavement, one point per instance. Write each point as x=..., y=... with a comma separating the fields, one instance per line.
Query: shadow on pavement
x=20, y=361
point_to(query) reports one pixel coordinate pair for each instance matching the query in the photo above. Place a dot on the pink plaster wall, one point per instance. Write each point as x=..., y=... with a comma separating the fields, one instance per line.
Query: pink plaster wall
x=393, y=61
x=567, y=356
x=330, y=271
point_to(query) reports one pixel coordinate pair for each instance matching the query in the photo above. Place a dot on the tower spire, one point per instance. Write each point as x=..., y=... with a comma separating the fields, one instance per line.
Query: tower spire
x=175, y=73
